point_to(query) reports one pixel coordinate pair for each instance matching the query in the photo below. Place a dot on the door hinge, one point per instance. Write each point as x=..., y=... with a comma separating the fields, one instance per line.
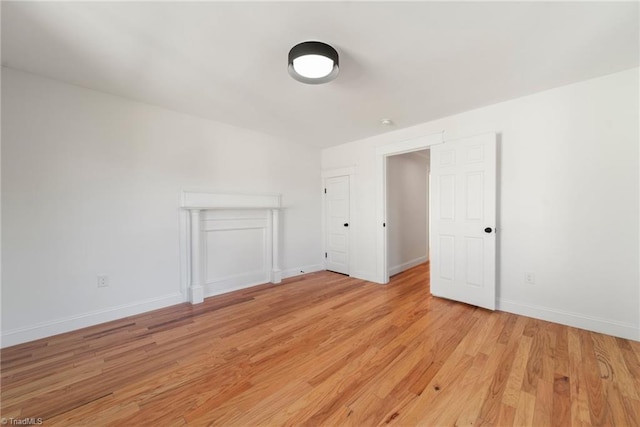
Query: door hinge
x=325, y=254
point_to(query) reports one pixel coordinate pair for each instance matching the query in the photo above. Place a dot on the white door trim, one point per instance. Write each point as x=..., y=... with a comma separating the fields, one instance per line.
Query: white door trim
x=349, y=171
x=407, y=146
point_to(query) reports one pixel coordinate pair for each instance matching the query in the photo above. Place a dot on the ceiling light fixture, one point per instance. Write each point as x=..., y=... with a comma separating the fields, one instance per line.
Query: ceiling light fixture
x=313, y=62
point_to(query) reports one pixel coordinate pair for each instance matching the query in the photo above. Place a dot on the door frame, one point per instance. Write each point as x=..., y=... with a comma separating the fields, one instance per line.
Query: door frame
x=349, y=171
x=407, y=146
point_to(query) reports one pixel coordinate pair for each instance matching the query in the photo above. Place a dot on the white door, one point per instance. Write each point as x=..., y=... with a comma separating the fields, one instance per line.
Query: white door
x=463, y=207
x=337, y=224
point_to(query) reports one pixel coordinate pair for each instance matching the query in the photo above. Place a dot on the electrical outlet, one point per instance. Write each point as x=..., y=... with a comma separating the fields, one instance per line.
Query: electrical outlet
x=103, y=281
x=529, y=278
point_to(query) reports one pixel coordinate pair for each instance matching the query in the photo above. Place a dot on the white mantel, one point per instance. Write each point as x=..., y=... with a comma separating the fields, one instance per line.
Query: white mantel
x=219, y=212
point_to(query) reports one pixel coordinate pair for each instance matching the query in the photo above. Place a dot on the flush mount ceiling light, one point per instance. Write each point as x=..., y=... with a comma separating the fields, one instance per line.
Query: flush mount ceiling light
x=313, y=62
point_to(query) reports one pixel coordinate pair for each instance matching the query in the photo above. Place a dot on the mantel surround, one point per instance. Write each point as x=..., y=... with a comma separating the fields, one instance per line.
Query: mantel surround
x=198, y=203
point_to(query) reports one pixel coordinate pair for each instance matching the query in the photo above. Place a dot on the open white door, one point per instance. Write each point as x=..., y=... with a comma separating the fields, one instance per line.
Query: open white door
x=463, y=208
x=337, y=224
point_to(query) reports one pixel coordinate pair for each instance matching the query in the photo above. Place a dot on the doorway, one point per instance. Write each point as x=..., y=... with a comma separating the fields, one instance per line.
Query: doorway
x=462, y=215
x=382, y=153
x=407, y=210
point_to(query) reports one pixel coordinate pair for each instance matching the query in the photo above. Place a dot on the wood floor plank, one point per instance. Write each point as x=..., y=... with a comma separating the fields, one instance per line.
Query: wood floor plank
x=470, y=411
x=632, y=410
x=618, y=414
x=490, y=411
x=450, y=374
x=535, y=361
x=543, y=411
x=525, y=410
x=561, y=413
x=579, y=400
x=446, y=411
x=325, y=349
x=325, y=393
x=561, y=351
x=598, y=409
x=511, y=394
x=620, y=372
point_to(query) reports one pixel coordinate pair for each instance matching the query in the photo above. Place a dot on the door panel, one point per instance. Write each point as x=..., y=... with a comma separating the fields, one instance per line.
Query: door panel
x=336, y=216
x=463, y=197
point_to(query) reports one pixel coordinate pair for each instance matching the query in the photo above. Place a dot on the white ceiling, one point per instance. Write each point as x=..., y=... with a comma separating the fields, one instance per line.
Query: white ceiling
x=411, y=62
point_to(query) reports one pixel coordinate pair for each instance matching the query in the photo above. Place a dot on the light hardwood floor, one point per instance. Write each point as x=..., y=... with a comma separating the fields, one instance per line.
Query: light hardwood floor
x=325, y=349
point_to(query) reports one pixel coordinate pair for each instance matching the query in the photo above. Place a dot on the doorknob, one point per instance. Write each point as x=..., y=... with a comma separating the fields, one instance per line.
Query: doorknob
x=346, y=224
x=488, y=230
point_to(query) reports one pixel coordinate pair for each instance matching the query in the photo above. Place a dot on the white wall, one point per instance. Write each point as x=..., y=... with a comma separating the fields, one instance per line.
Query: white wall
x=91, y=185
x=407, y=214
x=568, y=200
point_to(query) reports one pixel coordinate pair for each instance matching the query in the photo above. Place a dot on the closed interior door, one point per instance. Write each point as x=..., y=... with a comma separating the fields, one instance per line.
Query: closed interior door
x=337, y=224
x=463, y=201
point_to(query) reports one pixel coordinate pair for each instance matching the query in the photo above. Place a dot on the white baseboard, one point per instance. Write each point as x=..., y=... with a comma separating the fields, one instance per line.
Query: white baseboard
x=363, y=275
x=292, y=272
x=234, y=283
x=591, y=323
x=59, y=326
x=406, y=265
x=71, y=323
x=66, y=324
x=248, y=280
